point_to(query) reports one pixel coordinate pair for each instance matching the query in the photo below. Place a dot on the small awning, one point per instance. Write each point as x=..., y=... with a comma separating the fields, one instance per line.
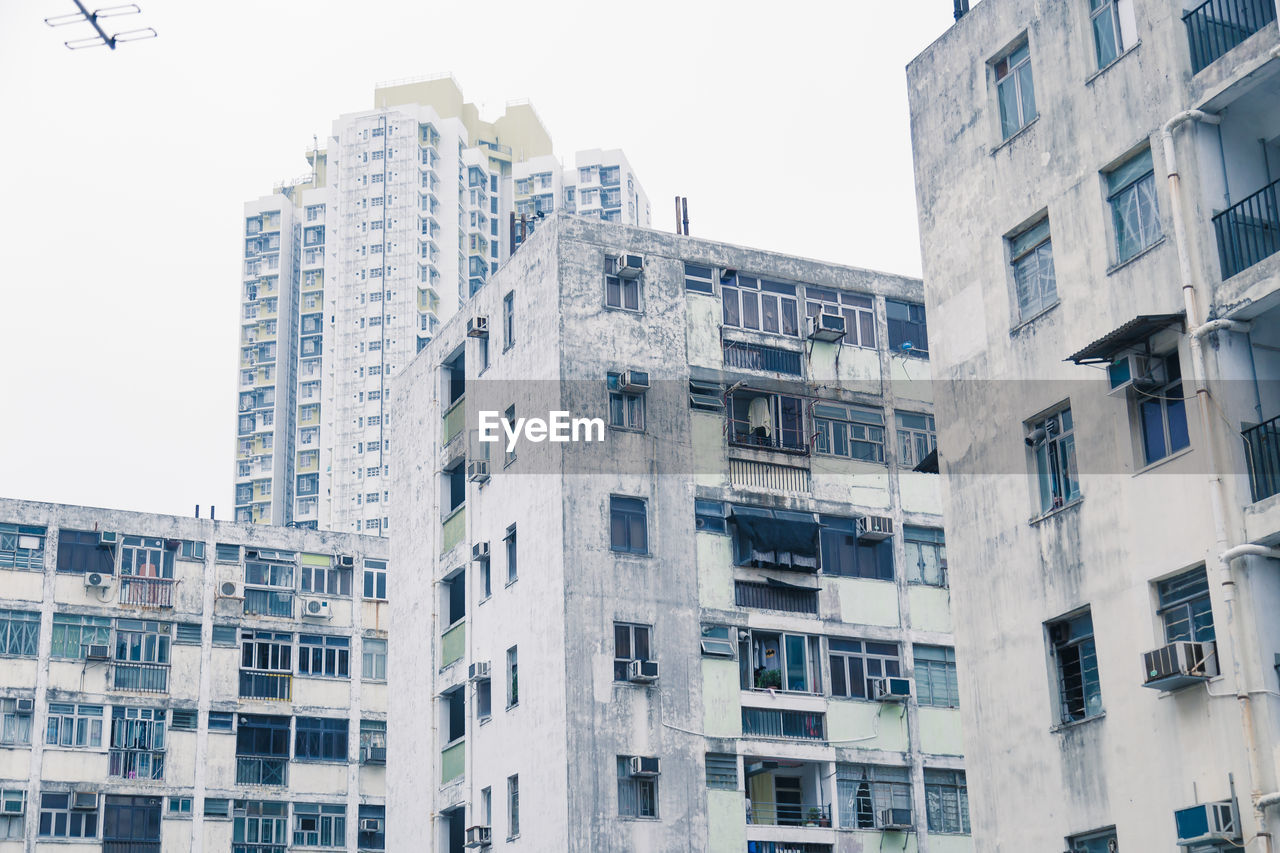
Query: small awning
x=777, y=584
x=929, y=464
x=779, y=529
x=1134, y=333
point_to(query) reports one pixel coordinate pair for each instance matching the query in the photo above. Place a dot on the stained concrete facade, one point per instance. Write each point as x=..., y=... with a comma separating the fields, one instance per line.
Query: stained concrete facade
x=1057, y=760
x=138, y=692
x=524, y=561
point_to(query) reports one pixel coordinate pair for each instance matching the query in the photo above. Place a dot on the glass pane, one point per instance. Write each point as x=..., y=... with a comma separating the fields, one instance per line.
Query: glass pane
x=795, y=648
x=1104, y=37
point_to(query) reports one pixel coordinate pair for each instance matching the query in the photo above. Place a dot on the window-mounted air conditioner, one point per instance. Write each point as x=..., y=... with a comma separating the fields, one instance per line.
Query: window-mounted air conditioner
x=24, y=706
x=1207, y=823
x=479, y=836
x=480, y=551
x=316, y=608
x=634, y=381
x=478, y=671
x=874, y=528
x=84, y=800
x=97, y=580
x=344, y=561
x=895, y=820
x=1134, y=371
x=106, y=538
x=825, y=326
x=97, y=651
x=891, y=689
x=371, y=824
x=13, y=806
x=478, y=327
x=644, y=766
x=628, y=266
x=1179, y=665
x=478, y=470
x=373, y=755
x=642, y=671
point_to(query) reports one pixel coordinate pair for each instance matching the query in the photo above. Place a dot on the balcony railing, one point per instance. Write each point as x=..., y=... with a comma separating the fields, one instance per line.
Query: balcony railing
x=788, y=847
x=146, y=592
x=276, y=686
x=117, y=846
x=261, y=770
x=789, y=814
x=766, y=597
x=1216, y=26
x=765, y=722
x=1262, y=452
x=136, y=764
x=141, y=677
x=1248, y=231
x=268, y=602
x=237, y=847
x=759, y=357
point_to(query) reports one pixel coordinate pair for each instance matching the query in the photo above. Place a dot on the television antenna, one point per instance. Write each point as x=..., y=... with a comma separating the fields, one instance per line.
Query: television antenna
x=83, y=15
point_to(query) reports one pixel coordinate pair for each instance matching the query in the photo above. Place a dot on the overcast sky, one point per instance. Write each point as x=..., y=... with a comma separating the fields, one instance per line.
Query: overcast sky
x=124, y=174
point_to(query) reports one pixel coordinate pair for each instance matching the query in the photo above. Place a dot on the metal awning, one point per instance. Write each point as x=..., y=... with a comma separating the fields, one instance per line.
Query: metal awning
x=929, y=464
x=1134, y=333
x=777, y=584
x=778, y=529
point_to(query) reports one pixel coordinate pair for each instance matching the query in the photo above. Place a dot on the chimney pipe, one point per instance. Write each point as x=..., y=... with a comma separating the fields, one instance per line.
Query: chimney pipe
x=962, y=8
x=212, y=509
x=197, y=510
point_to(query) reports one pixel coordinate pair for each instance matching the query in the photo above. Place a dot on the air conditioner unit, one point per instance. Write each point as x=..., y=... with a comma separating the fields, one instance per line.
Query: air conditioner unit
x=11, y=806
x=1207, y=823
x=1179, y=665
x=1134, y=371
x=644, y=766
x=478, y=327
x=827, y=327
x=478, y=470
x=478, y=671
x=891, y=689
x=344, y=561
x=316, y=608
x=98, y=580
x=106, y=538
x=634, y=381
x=230, y=589
x=97, y=651
x=874, y=528
x=896, y=820
x=24, y=706
x=371, y=824
x=628, y=266
x=84, y=800
x=642, y=671
x=480, y=551
x=374, y=755
x=479, y=836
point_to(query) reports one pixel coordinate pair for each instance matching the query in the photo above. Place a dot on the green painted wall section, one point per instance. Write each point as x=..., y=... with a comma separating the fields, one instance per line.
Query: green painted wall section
x=940, y=732
x=882, y=723
x=950, y=843
x=726, y=822
x=454, y=528
x=703, y=336
x=867, y=602
x=715, y=581
x=453, y=644
x=709, y=449
x=455, y=418
x=930, y=608
x=722, y=712
x=453, y=762
x=316, y=560
x=847, y=481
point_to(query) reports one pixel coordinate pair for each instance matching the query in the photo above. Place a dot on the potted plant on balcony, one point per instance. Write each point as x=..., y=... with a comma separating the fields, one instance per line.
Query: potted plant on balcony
x=769, y=679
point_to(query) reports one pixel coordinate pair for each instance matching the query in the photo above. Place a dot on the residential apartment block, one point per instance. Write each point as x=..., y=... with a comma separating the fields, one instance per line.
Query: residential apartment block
x=183, y=684
x=1097, y=184
x=719, y=622
x=407, y=211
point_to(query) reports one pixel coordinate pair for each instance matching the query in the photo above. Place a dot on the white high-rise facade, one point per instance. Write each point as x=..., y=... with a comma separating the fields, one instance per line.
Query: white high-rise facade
x=350, y=270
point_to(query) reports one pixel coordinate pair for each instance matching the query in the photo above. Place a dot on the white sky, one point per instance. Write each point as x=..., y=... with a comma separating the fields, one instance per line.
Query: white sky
x=124, y=173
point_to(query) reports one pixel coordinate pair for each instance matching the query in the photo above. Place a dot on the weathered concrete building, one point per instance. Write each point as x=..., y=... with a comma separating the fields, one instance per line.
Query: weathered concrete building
x=183, y=684
x=1097, y=188
x=697, y=630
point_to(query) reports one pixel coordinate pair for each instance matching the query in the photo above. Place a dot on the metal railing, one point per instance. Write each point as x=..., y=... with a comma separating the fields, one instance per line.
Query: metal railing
x=759, y=357
x=276, y=686
x=1248, y=231
x=789, y=814
x=146, y=592
x=136, y=764
x=114, y=846
x=268, y=602
x=261, y=770
x=766, y=597
x=1262, y=454
x=140, y=677
x=764, y=722
x=1216, y=26
x=258, y=848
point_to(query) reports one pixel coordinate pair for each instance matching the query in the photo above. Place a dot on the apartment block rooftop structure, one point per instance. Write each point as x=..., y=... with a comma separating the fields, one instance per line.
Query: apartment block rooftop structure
x=1097, y=185
x=184, y=684
x=721, y=624
x=406, y=211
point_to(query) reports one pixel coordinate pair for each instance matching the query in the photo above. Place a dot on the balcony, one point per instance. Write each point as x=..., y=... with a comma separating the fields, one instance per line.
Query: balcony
x=268, y=602
x=776, y=595
x=274, y=686
x=262, y=770
x=1216, y=26
x=453, y=762
x=747, y=356
x=1262, y=452
x=769, y=723
x=140, y=677
x=1248, y=231
x=136, y=764
x=784, y=792
x=453, y=644
x=789, y=814
x=146, y=592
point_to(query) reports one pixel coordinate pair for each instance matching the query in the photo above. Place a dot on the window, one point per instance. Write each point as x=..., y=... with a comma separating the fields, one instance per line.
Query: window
x=224, y=636
x=137, y=743
x=709, y=516
x=908, y=331
x=325, y=655
x=1135, y=210
x=865, y=790
x=1162, y=412
x=81, y=551
x=856, y=432
x=1092, y=842
x=775, y=538
x=1185, y=608
x=224, y=553
x=187, y=634
x=325, y=580
x=221, y=721
x=627, y=525
x=510, y=417
x=513, y=678
x=74, y=725
x=513, y=806
x=184, y=719
x=1112, y=25
x=1079, y=692
x=484, y=699
x=373, y=733
x=626, y=411
x=843, y=553
x=1055, y=453
x=316, y=825
x=268, y=589
x=320, y=739
x=179, y=807
x=59, y=820
x=936, y=676
x=717, y=640
x=13, y=805
x=630, y=642
x=946, y=801
x=760, y=419
x=508, y=321
x=917, y=438
x=374, y=659
x=145, y=557
x=376, y=839
x=770, y=660
x=699, y=279
x=510, y=540
x=217, y=807
x=19, y=632
x=1031, y=256
x=21, y=547
x=15, y=727
x=72, y=633
x=1015, y=91
x=142, y=642
x=722, y=771
x=926, y=549
x=857, y=309
x=375, y=579
x=620, y=292
x=637, y=795
x=260, y=827
x=759, y=304
x=854, y=663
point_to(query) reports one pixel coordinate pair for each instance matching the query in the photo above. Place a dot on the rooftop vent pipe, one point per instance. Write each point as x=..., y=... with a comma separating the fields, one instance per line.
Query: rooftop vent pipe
x=962, y=8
